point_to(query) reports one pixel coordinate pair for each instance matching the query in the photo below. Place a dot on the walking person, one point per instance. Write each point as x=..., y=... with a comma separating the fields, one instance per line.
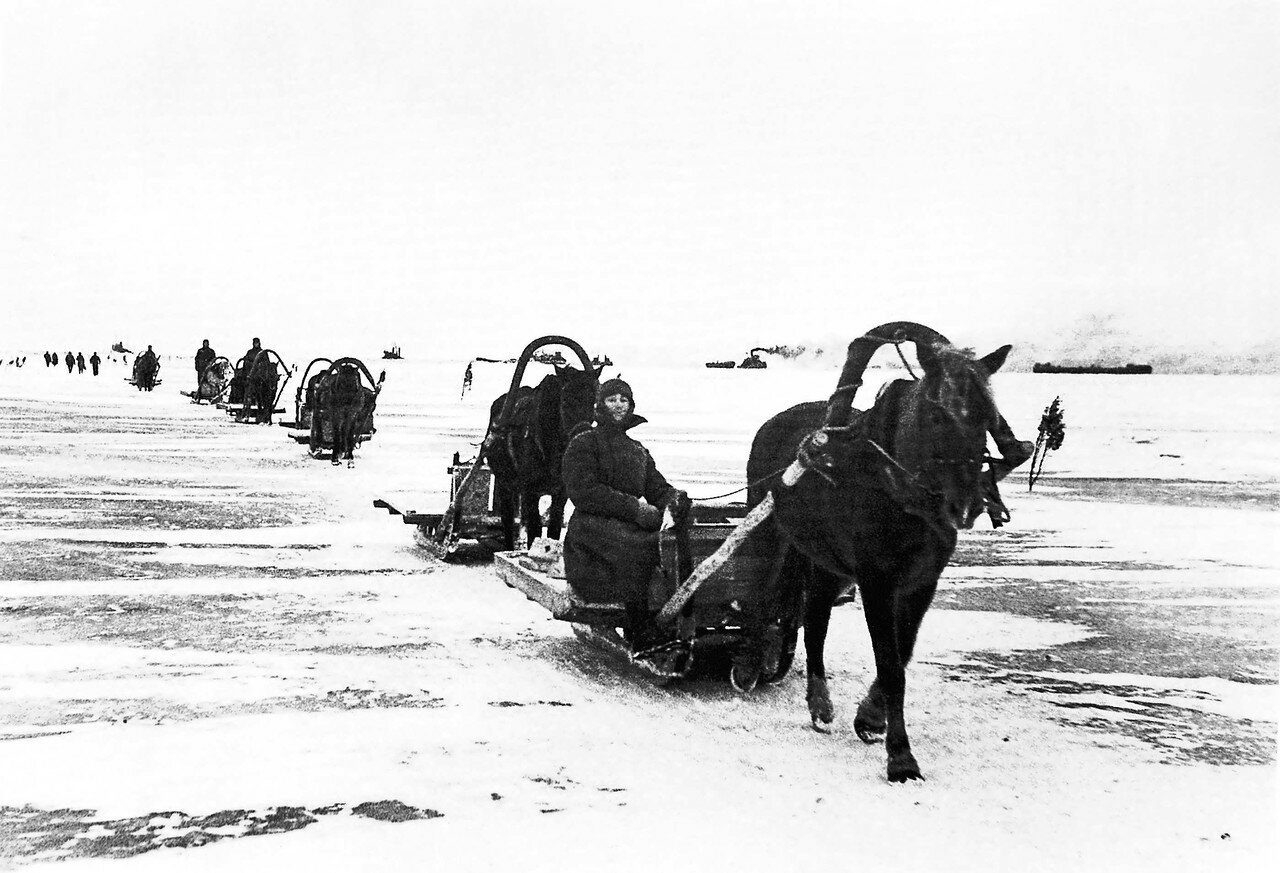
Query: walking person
x=80, y=361
x=70, y=360
x=94, y=361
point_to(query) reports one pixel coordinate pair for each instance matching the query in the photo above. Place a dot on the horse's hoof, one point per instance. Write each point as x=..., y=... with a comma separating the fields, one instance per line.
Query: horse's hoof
x=906, y=770
x=821, y=710
x=335, y=462
x=743, y=679
x=869, y=724
x=818, y=724
x=868, y=733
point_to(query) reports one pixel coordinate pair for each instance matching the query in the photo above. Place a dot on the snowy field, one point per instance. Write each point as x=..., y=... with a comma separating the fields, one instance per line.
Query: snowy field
x=216, y=654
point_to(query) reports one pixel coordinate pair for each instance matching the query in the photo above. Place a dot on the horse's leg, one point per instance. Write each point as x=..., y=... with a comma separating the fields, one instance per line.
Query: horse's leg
x=530, y=515
x=880, y=606
x=504, y=494
x=317, y=428
x=335, y=425
x=820, y=597
x=914, y=596
x=349, y=434
x=555, y=516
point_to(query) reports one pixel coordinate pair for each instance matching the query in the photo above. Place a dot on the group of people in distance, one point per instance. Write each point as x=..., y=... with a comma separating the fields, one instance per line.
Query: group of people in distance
x=75, y=362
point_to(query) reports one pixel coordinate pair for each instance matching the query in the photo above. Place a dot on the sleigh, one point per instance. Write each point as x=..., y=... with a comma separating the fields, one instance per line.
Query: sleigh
x=471, y=525
x=234, y=399
x=214, y=383
x=476, y=532
x=310, y=425
x=136, y=378
x=704, y=584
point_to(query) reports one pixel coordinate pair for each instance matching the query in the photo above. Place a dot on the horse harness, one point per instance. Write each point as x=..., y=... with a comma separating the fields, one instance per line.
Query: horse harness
x=821, y=450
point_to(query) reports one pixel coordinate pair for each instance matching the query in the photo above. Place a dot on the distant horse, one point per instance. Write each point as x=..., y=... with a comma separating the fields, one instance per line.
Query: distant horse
x=525, y=451
x=145, y=367
x=342, y=406
x=880, y=504
x=260, y=383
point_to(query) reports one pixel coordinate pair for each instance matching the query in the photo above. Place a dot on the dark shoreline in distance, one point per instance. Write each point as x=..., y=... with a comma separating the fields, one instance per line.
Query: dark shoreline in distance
x=1126, y=370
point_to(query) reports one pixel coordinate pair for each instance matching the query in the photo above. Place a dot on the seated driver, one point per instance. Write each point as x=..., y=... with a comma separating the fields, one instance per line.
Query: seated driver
x=611, y=547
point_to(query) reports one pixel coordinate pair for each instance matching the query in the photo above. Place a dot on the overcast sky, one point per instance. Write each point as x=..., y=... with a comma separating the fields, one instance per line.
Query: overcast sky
x=637, y=175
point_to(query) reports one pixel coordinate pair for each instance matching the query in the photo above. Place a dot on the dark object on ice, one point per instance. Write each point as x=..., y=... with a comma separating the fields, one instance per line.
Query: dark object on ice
x=600, y=361
x=1052, y=433
x=119, y=347
x=720, y=365
x=1126, y=370
x=393, y=355
x=393, y=810
x=753, y=361
x=876, y=498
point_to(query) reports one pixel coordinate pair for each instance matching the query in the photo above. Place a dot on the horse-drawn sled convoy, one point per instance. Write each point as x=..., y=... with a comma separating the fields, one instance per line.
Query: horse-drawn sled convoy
x=838, y=499
x=249, y=390
x=333, y=408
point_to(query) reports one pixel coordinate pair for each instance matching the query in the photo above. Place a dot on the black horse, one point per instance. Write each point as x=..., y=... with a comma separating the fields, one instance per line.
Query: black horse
x=145, y=368
x=261, y=381
x=525, y=450
x=342, y=407
x=876, y=498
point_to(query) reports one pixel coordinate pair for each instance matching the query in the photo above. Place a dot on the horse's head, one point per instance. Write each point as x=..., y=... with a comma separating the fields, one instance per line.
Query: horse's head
x=940, y=436
x=577, y=389
x=346, y=385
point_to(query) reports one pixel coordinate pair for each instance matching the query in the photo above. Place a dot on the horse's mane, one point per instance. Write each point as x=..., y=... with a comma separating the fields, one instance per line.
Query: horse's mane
x=961, y=365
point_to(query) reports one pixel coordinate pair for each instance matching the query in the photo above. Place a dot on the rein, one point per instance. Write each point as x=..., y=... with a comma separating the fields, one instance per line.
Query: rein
x=913, y=490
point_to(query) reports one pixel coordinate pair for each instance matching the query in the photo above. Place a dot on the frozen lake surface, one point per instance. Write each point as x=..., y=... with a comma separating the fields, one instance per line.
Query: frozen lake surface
x=208, y=636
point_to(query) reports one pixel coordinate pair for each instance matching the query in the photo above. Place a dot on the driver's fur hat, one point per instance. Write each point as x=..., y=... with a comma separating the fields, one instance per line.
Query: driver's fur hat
x=610, y=387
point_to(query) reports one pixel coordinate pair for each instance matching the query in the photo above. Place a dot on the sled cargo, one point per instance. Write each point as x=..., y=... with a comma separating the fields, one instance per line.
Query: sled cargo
x=705, y=626
x=214, y=382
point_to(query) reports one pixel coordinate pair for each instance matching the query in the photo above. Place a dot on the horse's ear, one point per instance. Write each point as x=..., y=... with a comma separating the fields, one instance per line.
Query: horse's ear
x=995, y=360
